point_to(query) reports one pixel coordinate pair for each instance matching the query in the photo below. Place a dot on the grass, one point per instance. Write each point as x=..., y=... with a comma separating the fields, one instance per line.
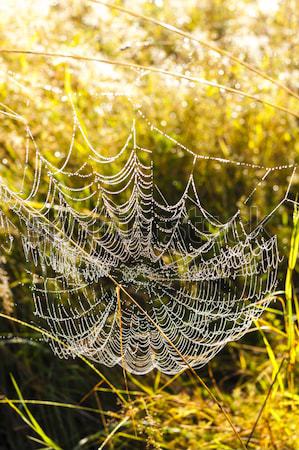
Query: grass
x=48, y=403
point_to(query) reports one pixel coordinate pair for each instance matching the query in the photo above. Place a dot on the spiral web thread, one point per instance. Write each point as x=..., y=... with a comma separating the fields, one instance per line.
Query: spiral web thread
x=202, y=286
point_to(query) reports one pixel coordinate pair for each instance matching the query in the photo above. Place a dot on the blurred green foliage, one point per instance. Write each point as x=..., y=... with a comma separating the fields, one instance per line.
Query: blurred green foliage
x=205, y=119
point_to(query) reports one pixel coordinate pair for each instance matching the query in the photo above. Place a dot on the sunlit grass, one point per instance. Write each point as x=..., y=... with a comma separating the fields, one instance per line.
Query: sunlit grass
x=256, y=379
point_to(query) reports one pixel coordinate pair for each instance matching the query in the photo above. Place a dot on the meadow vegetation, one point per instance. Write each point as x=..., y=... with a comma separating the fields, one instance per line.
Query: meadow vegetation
x=73, y=404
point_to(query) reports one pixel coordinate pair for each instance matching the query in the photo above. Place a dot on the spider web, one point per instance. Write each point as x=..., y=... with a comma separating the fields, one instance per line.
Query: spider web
x=121, y=274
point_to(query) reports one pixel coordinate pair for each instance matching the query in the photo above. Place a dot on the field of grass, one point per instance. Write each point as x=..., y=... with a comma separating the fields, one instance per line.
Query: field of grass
x=224, y=83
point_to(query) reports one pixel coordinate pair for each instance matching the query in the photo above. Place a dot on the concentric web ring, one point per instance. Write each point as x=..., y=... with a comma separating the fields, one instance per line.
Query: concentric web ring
x=121, y=274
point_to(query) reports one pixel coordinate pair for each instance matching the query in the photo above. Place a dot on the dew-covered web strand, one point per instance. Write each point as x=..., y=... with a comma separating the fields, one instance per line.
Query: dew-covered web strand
x=156, y=261
x=183, y=301
x=182, y=304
